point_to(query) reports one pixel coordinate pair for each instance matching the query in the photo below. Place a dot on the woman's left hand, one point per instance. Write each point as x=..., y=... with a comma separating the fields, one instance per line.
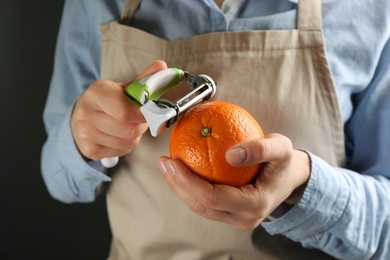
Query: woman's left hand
x=282, y=178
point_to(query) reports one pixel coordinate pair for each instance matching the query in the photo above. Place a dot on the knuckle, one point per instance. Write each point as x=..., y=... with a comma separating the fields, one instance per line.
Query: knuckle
x=171, y=183
x=99, y=84
x=135, y=130
x=251, y=225
x=209, y=200
x=127, y=110
x=287, y=141
x=133, y=143
x=289, y=147
x=124, y=113
x=260, y=212
x=83, y=131
x=265, y=148
x=255, y=212
x=130, y=145
x=197, y=207
x=79, y=112
x=266, y=201
x=90, y=151
x=95, y=88
x=129, y=130
x=261, y=206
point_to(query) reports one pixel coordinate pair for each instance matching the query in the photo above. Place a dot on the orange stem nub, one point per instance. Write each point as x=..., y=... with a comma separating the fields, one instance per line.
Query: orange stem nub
x=206, y=131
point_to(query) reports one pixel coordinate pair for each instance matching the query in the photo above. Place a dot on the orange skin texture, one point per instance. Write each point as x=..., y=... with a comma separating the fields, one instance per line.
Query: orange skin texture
x=205, y=154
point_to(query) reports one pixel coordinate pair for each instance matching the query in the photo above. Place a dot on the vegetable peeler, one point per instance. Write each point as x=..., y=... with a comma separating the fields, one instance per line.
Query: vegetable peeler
x=162, y=113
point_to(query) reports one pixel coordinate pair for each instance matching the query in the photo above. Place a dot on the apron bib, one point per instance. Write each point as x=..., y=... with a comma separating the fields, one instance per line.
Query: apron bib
x=281, y=77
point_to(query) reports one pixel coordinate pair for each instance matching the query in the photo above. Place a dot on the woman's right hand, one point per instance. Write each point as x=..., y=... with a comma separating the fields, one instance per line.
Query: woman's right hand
x=106, y=122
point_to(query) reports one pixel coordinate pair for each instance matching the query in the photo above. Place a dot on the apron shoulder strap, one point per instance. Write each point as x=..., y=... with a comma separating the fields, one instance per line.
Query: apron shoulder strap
x=128, y=10
x=309, y=14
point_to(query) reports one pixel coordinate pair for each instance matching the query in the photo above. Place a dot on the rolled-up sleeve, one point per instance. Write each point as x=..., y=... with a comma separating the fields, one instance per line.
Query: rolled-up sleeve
x=346, y=213
x=68, y=177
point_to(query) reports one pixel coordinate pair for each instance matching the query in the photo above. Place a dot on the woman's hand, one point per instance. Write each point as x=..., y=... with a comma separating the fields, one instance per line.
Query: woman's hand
x=106, y=122
x=282, y=178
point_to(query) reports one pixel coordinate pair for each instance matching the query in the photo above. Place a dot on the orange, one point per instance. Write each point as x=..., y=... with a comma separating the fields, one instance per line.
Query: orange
x=202, y=136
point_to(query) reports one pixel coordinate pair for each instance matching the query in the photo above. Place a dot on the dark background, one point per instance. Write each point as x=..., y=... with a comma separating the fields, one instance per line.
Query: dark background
x=32, y=224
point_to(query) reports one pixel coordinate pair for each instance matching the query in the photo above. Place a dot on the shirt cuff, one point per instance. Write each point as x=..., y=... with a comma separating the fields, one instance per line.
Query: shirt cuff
x=89, y=175
x=321, y=206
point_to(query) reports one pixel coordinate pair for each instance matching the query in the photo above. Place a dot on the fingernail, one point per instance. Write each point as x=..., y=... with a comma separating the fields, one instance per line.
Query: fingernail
x=171, y=167
x=236, y=155
x=162, y=165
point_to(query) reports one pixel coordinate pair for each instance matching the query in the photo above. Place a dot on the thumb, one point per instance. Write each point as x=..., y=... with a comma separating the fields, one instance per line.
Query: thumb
x=273, y=148
x=151, y=69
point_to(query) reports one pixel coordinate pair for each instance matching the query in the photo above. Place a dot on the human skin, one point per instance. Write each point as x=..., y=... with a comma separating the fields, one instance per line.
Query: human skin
x=105, y=122
x=282, y=178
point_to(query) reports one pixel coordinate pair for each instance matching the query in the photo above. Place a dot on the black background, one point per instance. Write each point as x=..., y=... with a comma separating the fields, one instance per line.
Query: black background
x=32, y=224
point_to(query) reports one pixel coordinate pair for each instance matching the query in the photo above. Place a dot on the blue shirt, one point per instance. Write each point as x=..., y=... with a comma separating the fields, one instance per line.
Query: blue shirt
x=344, y=212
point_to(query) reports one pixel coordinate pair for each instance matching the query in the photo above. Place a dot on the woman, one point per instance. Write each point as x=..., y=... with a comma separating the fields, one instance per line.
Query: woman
x=320, y=189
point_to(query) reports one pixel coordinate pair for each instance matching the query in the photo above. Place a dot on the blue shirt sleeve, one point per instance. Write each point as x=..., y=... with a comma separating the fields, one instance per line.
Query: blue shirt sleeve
x=77, y=64
x=343, y=212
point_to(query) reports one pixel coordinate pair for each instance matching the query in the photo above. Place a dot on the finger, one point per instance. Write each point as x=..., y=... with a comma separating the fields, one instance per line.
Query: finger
x=200, y=195
x=96, y=151
x=109, y=98
x=110, y=126
x=151, y=69
x=273, y=148
x=203, y=207
x=125, y=145
x=171, y=173
x=88, y=137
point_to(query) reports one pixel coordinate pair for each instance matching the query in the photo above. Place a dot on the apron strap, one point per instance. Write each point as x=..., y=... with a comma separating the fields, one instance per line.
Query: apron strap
x=309, y=14
x=128, y=10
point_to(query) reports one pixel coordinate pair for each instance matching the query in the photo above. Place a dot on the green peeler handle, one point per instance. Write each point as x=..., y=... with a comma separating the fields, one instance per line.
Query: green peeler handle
x=155, y=85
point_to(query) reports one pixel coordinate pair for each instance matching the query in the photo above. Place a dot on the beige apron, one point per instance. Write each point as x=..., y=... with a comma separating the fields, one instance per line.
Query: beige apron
x=281, y=77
